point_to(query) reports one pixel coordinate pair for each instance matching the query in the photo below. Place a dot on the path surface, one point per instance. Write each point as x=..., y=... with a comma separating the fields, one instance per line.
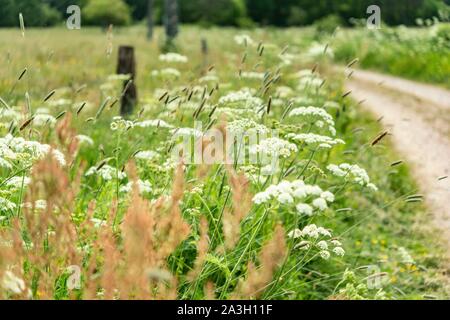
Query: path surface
x=418, y=118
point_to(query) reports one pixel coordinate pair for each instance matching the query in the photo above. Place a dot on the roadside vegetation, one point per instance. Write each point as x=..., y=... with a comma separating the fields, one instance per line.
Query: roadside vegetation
x=96, y=206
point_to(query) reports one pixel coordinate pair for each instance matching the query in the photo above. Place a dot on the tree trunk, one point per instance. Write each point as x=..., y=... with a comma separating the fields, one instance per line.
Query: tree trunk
x=149, y=19
x=127, y=65
x=171, y=19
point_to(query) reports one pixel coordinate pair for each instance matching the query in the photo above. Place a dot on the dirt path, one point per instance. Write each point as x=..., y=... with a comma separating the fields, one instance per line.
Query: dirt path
x=418, y=117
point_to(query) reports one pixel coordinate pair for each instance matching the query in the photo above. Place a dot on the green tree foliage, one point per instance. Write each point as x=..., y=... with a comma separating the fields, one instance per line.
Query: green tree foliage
x=218, y=12
x=225, y=12
x=138, y=9
x=36, y=13
x=302, y=12
x=106, y=12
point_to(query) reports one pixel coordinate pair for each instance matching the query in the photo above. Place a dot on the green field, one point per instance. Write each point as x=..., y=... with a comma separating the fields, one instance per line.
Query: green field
x=137, y=224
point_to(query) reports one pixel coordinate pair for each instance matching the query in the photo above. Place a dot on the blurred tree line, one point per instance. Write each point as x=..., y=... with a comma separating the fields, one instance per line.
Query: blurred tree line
x=220, y=12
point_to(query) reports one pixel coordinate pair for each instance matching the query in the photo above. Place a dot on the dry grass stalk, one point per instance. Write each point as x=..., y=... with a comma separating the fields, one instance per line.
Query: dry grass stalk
x=202, y=250
x=272, y=254
x=242, y=202
x=136, y=266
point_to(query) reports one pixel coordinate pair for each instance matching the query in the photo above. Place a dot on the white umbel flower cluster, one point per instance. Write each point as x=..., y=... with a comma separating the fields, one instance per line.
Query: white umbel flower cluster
x=106, y=173
x=312, y=236
x=315, y=139
x=243, y=39
x=317, y=116
x=25, y=152
x=166, y=73
x=158, y=123
x=352, y=172
x=144, y=187
x=298, y=193
x=172, y=57
x=244, y=98
x=274, y=147
x=12, y=283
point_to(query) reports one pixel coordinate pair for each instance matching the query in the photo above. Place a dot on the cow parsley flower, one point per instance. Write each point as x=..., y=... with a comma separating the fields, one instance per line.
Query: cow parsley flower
x=106, y=173
x=167, y=72
x=12, y=283
x=324, y=254
x=252, y=75
x=7, y=205
x=243, y=98
x=83, y=139
x=296, y=233
x=274, y=147
x=339, y=251
x=173, y=57
x=323, y=245
x=243, y=39
x=143, y=187
x=316, y=139
x=313, y=114
x=154, y=123
x=353, y=173
x=40, y=120
x=16, y=183
x=146, y=155
x=320, y=204
x=303, y=208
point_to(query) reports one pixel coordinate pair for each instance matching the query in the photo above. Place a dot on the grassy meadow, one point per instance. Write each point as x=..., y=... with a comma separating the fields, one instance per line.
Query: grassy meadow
x=94, y=206
x=421, y=54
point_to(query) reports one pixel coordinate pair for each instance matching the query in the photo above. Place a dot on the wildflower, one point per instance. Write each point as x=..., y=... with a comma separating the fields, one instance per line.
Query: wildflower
x=167, y=72
x=154, y=123
x=311, y=231
x=322, y=245
x=312, y=138
x=313, y=114
x=352, y=172
x=173, y=57
x=274, y=147
x=98, y=222
x=324, y=254
x=242, y=39
x=252, y=75
x=13, y=283
x=209, y=78
x=106, y=172
x=16, y=183
x=40, y=120
x=296, y=233
x=405, y=257
x=244, y=97
x=323, y=232
x=146, y=155
x=246, y=126
x=303, y=208
x=317, y=50
x=83, y=139
x=59, y=156
x=120, y=124
x=303, y=245
x=320, y=204
x=339, y=251
x=328, y=196
x=285, y=198
x=5, y=204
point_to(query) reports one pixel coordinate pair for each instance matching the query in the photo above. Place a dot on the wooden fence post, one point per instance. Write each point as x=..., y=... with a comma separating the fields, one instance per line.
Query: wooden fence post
x=127, y=65
x=204, y=46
